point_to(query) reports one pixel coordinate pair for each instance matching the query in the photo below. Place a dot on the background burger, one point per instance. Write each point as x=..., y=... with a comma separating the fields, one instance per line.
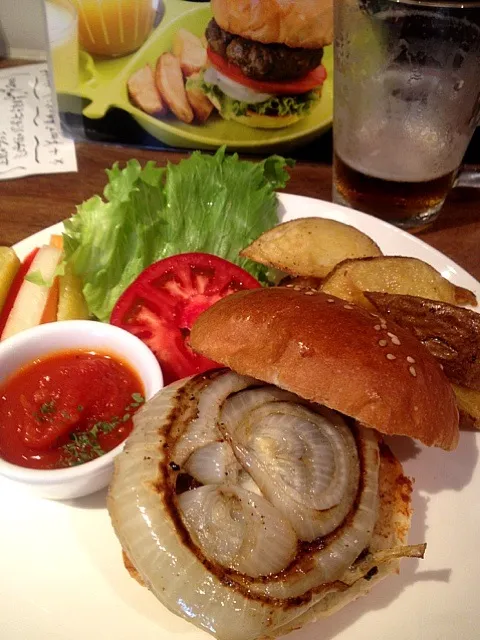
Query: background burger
x=255, y=499
x=265, y=59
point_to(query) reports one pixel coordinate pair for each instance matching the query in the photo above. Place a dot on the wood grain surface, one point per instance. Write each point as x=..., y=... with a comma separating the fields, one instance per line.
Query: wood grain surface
x=29, y=204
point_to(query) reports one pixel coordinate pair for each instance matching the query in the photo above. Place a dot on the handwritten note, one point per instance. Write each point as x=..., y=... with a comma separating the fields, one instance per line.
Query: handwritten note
x=30, y=141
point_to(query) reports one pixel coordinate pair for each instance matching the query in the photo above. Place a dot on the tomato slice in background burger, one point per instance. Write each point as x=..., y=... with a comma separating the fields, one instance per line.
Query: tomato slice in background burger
x=312, y=80
x=162, y=304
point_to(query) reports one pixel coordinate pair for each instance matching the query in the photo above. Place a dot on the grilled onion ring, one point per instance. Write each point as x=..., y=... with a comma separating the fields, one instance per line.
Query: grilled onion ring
x=145, y=504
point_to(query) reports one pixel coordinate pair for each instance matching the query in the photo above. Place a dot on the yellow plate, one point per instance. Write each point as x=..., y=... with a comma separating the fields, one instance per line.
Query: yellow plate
x=103, y=82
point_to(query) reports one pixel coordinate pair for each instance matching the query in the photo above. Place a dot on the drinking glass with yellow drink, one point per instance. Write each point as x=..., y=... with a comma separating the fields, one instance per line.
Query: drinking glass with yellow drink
x=114, y=27
x=62, y=28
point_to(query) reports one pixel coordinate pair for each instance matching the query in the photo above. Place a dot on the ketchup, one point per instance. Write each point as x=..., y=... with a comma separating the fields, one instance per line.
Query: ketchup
x=67, y=408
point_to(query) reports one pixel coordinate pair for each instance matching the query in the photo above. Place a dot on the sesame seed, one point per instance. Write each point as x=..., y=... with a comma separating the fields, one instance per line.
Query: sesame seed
x=377, y=327
x=309, y=293
x=396, y=341
x=410, y=360
x=347, y=306
x=330, y=300
x=382, y=343
x=383, y=325
x=413, y=371
x=390, y=356
x=297, y=288
x=289, y=286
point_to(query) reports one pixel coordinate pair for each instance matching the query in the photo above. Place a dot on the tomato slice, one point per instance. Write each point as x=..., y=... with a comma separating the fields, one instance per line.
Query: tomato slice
x=162, y=304
x=312, y=80
x=15, y=288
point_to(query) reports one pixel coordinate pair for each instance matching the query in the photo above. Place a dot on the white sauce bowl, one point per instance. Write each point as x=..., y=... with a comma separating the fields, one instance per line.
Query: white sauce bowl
x=55, y=337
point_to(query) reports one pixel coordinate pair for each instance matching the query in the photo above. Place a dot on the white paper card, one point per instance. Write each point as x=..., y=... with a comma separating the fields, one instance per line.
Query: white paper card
x=30, y=140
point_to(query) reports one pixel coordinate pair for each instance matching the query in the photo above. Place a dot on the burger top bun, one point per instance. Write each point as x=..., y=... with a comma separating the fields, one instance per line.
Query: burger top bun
x=297, y=23
x=334, y=353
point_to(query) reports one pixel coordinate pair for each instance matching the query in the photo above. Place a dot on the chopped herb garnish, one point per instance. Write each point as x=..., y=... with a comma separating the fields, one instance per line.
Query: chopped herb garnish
x=85, y=446
x=47, y=407
x=106, y=427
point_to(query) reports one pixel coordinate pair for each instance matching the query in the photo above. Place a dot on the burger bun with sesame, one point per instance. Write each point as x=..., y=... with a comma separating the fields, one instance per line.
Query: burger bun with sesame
x=336, y=354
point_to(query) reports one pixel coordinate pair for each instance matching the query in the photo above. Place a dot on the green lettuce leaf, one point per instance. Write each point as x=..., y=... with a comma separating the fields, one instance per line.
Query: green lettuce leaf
x=294, y=105
x=36, y=277
x=216, y=204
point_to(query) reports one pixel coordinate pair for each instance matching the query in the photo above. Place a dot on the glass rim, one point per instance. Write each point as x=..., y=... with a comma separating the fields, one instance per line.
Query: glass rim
x=441, y=4
x=73, y=15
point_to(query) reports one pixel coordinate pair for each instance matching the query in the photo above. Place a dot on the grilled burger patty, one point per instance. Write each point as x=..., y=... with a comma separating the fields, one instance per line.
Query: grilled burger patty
x=274, y=62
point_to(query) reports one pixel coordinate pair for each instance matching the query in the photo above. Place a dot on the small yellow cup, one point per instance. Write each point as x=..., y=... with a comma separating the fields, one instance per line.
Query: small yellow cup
x=114, y=27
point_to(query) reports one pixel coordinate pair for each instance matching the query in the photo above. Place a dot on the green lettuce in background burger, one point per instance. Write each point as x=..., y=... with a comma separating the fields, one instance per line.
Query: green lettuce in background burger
x=265, y=59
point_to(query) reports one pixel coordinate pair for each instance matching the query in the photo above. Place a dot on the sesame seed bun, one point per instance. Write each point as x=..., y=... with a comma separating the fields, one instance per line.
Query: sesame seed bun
x=296, y=23
x=334, y=353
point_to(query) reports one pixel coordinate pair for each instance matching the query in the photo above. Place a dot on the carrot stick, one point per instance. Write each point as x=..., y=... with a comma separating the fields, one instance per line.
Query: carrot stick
x=51, y=306
x=56, y=241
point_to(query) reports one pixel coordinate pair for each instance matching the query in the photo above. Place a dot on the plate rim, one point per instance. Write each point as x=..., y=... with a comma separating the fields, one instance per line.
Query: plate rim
x=451, y=270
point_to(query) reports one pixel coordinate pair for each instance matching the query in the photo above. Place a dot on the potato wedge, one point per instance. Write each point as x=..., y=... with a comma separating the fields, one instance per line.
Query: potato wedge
x=190, y=51
x=389, y=274
x=468, y=402
x=201, y=105
x=465, y=296
x=143, y=92
x=450, y=333
x=310, y=246
x=169, y=81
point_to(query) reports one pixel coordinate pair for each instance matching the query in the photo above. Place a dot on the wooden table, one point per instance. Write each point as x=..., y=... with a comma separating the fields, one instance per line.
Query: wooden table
x=29, y=204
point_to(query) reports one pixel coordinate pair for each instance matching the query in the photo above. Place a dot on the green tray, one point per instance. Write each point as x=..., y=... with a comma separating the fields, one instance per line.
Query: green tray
x=104, y=84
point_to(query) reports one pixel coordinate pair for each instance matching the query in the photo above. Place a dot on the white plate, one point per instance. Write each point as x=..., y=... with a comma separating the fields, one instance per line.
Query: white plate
x=61, y=572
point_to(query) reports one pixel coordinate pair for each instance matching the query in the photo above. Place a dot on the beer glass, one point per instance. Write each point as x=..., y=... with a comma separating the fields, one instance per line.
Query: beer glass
x=406, y=103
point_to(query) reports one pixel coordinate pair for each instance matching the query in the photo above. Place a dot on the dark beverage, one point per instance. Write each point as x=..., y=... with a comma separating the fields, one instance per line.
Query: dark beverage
x=406, y=103
x=390, y=200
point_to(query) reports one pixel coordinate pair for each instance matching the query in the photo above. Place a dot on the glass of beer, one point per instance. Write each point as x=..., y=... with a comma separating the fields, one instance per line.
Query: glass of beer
x=406, y=104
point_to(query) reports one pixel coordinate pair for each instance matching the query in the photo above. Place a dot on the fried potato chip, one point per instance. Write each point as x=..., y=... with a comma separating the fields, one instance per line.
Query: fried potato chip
x=143, y=92
x=390, y=274
x=310, y=246
x=199, y=101
x=190, y=51
x=169, y=81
